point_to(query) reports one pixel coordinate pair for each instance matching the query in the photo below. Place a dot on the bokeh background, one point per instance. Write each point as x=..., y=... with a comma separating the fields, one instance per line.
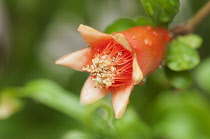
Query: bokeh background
x=34, y=33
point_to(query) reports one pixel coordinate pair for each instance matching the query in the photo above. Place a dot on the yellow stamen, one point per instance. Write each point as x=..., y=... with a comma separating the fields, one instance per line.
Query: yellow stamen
x=110, y=67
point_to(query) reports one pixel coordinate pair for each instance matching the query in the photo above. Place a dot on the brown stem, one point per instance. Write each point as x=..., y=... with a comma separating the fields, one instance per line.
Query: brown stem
x=189, y=26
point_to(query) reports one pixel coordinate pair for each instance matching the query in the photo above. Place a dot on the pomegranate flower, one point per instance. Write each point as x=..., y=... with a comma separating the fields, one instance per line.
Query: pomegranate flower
x=116, y=62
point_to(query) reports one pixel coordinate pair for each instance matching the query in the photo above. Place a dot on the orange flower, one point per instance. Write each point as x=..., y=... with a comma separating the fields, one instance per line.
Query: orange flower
x=116, y=62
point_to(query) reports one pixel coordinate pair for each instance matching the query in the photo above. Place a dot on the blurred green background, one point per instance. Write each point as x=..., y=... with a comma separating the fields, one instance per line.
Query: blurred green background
x=41, y=99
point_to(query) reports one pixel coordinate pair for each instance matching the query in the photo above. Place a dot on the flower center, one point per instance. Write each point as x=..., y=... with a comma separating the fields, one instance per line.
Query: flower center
x=111, y=66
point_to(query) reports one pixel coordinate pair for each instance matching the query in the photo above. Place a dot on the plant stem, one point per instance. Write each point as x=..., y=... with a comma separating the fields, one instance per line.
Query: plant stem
x=190, y=25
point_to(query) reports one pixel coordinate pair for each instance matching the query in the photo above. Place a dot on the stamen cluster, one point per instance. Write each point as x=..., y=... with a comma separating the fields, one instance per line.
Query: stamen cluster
x=110, y=67
x=103, y=70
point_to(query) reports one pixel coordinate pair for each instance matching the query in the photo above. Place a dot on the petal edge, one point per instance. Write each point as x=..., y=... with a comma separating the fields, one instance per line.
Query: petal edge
x=92, y=36
x=120, y=100
x=137, y=74
x=89, y=94
x=120, y=38
x=75, y=60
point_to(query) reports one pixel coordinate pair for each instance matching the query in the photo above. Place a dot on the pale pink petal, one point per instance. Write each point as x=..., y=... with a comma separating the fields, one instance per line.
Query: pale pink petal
x=89, y=94
x=120, y=38
x=137, y=74
x=76, y=60
x=120, y=99
x=94, y=37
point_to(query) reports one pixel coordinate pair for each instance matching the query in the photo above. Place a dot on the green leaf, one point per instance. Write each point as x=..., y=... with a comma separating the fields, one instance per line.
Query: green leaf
x=181, y=56
x=180, y=79
x=51, y=94
x=161, y=12
x=202, y=74
x=120, y=25
x=191, y=40
x=143, y=21
x=126, y=23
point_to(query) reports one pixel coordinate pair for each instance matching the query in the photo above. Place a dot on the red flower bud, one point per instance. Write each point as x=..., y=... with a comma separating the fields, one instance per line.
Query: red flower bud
x=149, y=44
x=116, y=62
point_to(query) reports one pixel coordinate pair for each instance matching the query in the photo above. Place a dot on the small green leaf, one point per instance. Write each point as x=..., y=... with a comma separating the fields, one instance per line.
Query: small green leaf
x=126, y=23
x=202, y=74
x=143, y=21
x=181, y=56
x=161, y=12
x=120, y=25
x=192, y=40
x=180, y=79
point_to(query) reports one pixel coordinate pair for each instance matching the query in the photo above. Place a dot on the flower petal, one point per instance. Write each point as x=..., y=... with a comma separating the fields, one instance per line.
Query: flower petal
x=120, y=99
x=137, y=74
x=89, y=94
x=120, y=38
x=93, y=37
x=76, y=60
